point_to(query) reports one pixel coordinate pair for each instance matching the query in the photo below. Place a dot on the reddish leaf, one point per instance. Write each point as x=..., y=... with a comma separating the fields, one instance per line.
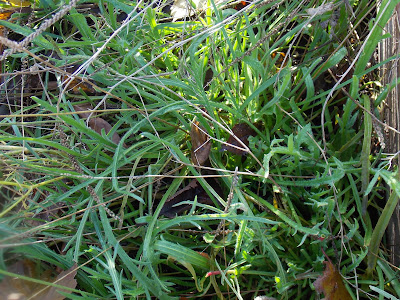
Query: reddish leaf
x=201, y=144
x=242, y=131
x=23, y=289
x=241, y=5
x=331, y=284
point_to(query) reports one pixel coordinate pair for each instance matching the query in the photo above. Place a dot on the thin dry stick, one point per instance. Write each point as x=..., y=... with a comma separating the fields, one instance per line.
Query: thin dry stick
x=77, y=168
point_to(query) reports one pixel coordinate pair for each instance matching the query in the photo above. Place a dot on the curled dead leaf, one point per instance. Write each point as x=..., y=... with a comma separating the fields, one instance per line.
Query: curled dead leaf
x=241, y=131
x=201, y=144
x=331, y=284
x=171, y=209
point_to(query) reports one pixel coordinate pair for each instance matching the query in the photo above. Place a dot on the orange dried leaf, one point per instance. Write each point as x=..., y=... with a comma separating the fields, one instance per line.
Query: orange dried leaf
x=331, y=284
x=204, y=254
x=241, y=131
x=201, y=144
x=76, y=85
x=280, y=60
x=4, y=15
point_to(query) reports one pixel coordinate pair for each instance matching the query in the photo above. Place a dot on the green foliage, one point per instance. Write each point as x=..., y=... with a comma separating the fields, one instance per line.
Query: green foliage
x=314, y=178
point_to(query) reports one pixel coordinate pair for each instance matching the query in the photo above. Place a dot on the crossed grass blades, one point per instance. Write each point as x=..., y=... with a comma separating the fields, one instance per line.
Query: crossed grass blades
x=231, y=154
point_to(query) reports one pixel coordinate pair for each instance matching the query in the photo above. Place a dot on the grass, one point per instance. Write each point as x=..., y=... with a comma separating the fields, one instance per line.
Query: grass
x=314, y=180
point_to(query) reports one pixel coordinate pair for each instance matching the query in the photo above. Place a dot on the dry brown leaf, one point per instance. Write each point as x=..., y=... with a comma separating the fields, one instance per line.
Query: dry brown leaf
x=20, y=289
x=65, y=278
x=242, y=131
x=171, y=208
x=331, y=284
x=201, y=144
x=77, y=85
x=97, y=124
x=83, y=109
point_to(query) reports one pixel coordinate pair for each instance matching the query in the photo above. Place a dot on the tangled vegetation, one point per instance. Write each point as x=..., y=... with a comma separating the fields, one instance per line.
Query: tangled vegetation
x=230, y=153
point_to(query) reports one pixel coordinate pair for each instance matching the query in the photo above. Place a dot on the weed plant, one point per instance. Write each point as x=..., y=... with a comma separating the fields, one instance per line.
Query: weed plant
x=313, y=181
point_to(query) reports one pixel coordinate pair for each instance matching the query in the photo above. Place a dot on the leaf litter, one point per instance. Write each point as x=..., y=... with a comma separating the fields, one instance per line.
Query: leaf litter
x=242, y=132
x=97, y=124
x=21, y=289
x=331, y=284
x=200, y=152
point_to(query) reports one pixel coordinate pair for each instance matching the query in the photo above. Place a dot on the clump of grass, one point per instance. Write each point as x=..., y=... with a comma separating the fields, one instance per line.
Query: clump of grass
x=313, y=179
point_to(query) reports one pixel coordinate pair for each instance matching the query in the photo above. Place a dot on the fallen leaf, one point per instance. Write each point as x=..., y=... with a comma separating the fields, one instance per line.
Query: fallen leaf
x=241, y=5
x=331, y=284
x=201, y=144
x=241, y=131
x=65, y=278
x=83, y=109
x=280, y=59
x=76, y=85
x=189, y=192
x=4, y=15
x=19, y=289
x=171, y=209
x=97, y=124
